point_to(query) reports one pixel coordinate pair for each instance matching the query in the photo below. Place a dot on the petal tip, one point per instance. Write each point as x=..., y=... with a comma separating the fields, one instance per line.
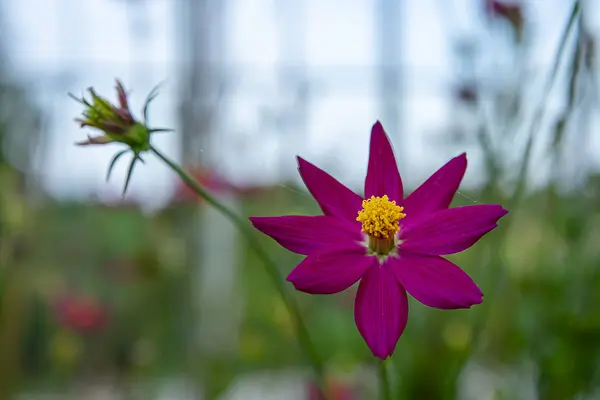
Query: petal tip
x=383, y=176
x=476, y=299
x=498, y=210
x=254, y=221
x=501, y=211
x=303, y=165
x=300, y=287
x=475, y=302
x=377, y=129
x=379, y=351
x=459, y=162
x=291, y=279
x=292, y=276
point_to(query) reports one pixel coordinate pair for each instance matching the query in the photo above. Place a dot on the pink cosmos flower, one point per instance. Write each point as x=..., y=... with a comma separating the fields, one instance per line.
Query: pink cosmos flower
x=391, y=244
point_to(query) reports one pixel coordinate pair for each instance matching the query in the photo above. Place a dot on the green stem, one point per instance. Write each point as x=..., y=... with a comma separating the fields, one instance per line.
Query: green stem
x=385, y=392
x=497, y=272
x=272, y=270
x=538, y=115
x=517, y=195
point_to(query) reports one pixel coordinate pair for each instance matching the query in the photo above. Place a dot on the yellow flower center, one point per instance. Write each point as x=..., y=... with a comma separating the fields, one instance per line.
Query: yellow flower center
x=380, y=219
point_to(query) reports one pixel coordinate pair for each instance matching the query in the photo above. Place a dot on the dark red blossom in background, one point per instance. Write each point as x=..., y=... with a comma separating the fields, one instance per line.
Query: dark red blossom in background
x=467, y=94
x=208, y=179
x=337, y=391
x=81, y=313
x=214, y=183
x=511, y=11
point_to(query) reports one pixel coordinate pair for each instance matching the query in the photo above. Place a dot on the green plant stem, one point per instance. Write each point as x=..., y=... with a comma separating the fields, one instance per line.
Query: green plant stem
x=497, y=272
x=517, y=195
x=271, y=267
x=385, y=392
x=541, y=108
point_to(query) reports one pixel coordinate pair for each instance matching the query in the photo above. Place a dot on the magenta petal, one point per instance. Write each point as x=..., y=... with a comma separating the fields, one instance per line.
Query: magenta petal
x=449, y=231
x=334, y=198
x=437, y=192
x=436, y=282
x=331, y=272
x=380, y=310
x=307, y=234
x=383, y=177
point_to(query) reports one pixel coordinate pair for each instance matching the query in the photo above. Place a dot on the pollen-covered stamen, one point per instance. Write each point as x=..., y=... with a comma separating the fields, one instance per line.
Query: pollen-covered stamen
x=380, y=219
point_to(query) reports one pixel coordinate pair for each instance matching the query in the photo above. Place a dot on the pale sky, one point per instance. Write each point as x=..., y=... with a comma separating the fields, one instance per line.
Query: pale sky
x=70, y=45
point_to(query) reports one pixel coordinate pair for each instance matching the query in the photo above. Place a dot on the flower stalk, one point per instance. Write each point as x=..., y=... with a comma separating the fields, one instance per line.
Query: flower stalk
x=385, y=392
x=271, y=267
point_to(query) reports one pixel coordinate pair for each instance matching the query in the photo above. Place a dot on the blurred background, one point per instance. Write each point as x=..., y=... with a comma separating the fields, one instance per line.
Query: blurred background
x=155, y=295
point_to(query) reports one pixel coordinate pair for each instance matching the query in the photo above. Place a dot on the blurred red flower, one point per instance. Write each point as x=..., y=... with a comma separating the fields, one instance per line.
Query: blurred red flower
x=81, y=313
x=207, y=178
x=512, y=11
x=337, y=391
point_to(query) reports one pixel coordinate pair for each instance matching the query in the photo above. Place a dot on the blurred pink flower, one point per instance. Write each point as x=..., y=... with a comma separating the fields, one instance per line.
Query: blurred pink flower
x=81, y=313
x=336, y=390
x=391, y=244
x=503, y=8
x=207, y=178
x=512, y=11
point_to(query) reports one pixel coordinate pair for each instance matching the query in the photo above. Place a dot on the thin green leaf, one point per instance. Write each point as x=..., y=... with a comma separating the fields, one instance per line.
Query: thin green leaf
x=81, y=100
x=160, y=130
x=151, y=96
x=113, y=163
x=129, y=173
x=77, y=99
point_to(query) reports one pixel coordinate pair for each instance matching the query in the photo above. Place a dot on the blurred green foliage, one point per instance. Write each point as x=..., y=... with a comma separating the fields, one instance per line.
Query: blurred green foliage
x=544, y=311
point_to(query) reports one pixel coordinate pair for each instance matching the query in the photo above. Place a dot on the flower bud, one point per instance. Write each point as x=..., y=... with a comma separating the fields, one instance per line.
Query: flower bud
x=116, y=122
x=118, y=125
